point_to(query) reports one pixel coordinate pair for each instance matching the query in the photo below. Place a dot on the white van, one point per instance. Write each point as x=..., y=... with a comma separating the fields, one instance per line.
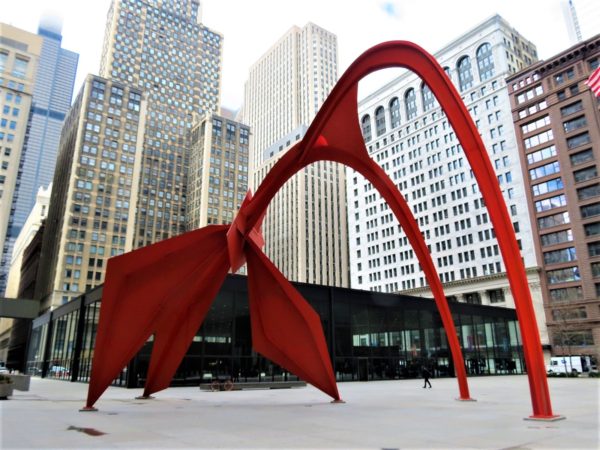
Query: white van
x=569, y=364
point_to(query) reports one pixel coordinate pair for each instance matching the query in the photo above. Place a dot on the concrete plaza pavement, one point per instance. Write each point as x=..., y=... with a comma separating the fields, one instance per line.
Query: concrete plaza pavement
x=376, y=415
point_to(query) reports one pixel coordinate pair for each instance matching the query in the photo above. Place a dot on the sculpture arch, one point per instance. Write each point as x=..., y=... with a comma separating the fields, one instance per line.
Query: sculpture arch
x=176, y=286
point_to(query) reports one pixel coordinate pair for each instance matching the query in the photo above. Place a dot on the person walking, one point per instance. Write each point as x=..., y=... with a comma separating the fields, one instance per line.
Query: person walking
x=426, y=374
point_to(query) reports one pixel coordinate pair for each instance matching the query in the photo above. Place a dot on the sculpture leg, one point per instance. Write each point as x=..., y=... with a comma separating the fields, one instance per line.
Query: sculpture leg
x=285, y=328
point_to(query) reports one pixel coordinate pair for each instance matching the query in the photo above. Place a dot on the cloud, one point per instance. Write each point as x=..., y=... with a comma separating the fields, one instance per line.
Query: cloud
x=390, y=9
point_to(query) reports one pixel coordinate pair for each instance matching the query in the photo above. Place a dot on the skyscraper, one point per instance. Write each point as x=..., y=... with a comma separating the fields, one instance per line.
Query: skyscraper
x=557, y=123
x=19, y=58
x=581, y=18
x=218, y=174
x=287, y=86
x=305, y=226
x=21, y=279
x=91, y=213
x=52, y=91
x=409, y=136
x=159, y=47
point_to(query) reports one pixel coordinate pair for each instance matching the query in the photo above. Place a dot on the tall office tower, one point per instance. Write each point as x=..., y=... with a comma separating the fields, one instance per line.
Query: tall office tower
x=52, y=91
x=91, y=213
x=557, y=121
x=408, y=134
x=287, y=86
x=19, y=58
x=29, y=230
x=159, y=47
x=21, y=279
x=218, y=174
x=305, y=227
x=581, y=18
x=571, y=20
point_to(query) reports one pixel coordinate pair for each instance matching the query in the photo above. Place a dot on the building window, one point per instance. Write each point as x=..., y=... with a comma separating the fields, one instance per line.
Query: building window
x=3, y=59
x=560, y=256
x=496, y=296
x=580, y=139
x=395, y=113
x=574, y=124
x=545, y=170
x=564, y=76
x=590, y=210
x=485, y=62
x=366, y=127
x=582, y=157
x=573, y=338
x=380, y=121
x=566, y=294
x=427, y=97
x=585, y=174
x=595, y=269
x=410, y=99
x=563, y=275
x=558, y=237
x=542, y=154
x=20, y=67
x=538, y=139
x=529, y=94
x=594, y=249
x=588, y=192
x=592, y=229
x=465, y=75
x=550, y=203
x=535, y=124
x=569, y=314
x=473, y=298
x=547, y=186
x=572, y=108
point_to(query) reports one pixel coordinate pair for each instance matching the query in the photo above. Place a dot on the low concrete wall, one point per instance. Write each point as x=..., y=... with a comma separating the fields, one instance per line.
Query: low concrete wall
x=20, y=381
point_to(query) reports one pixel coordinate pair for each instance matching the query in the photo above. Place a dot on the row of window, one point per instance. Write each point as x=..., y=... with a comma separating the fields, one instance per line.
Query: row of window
x=485, y=64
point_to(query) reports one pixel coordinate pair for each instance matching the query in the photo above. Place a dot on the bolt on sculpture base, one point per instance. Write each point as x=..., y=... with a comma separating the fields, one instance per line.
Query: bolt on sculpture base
x=166, y=289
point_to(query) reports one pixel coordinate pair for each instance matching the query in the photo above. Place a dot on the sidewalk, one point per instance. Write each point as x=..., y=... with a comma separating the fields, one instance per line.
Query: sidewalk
x=376, y=415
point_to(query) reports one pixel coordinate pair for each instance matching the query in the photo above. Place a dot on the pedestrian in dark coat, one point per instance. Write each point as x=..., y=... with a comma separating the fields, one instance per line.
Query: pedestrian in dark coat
x=426, y=374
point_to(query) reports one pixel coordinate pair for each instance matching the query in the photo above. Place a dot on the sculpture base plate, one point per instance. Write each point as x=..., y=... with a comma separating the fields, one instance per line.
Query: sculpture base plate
x=88, y=409
x=545, y=419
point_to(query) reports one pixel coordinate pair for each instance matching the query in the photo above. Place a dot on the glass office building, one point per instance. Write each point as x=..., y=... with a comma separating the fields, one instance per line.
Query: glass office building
x=52, y=91
x=371, y=336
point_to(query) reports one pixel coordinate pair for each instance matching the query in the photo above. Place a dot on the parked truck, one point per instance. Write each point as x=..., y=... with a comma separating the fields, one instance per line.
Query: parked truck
x=569, y=364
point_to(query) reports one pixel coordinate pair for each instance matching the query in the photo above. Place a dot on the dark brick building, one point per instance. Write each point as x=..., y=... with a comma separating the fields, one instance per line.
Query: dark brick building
x=557, y=121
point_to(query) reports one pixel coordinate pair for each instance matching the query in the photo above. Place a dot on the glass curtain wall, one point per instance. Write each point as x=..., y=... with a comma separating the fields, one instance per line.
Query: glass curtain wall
x=371, y=336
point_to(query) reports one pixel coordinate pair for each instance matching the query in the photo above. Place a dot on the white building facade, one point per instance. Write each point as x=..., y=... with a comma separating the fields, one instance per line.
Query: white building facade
x=305, y=226
x=287, y=86
x=408, y=134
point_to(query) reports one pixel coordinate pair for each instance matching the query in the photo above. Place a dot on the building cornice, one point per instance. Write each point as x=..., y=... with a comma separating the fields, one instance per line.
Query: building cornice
x=565, y=58
x=471, y=281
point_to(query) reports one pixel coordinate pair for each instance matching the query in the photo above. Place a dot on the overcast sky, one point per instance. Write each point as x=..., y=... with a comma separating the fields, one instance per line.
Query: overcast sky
x=251, y=27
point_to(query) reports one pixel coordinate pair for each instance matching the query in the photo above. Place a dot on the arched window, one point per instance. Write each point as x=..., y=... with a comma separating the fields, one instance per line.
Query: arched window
x=395, y=113
x=465, y=75
x=485, y=62
x=410, y=98
x=380, y=120
x=447, y=70
x=366, y=127
x=427, y=97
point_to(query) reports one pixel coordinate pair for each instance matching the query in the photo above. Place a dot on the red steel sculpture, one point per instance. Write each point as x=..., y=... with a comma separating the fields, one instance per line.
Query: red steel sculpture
x=166, y=289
